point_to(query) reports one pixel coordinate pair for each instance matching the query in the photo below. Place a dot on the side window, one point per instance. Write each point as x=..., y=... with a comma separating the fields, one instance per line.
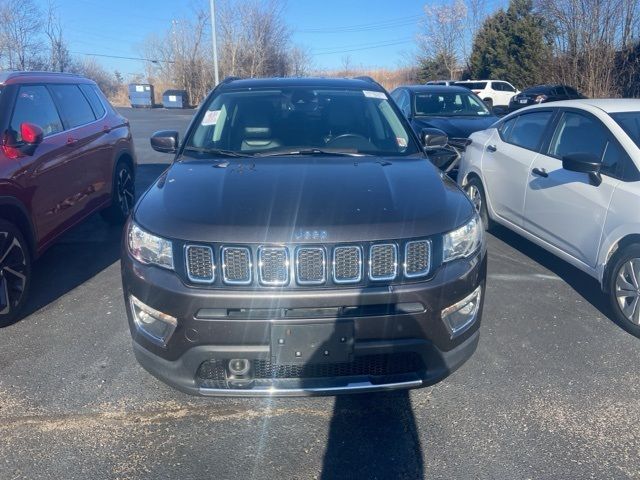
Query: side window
x=613, y=160
x=577, y=133
x=406, y=103
x=34, y=105
x=506, y=128
x=94, y=101
x=508, y=87
x=496, y=86
x=74, y=107
x=529, y=128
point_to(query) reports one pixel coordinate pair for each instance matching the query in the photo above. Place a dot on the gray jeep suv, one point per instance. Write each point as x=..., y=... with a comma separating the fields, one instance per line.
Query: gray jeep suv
x=301, y=244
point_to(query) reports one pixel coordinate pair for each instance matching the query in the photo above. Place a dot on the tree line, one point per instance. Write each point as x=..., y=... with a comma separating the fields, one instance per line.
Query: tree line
x=593, y=45
x=32, y=38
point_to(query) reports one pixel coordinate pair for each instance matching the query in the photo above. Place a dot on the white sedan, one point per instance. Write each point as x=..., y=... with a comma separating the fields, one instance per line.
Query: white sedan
x=566, y=176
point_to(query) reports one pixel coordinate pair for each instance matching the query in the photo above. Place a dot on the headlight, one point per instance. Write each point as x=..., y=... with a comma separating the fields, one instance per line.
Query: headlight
x=464, y=241
x=148, y=248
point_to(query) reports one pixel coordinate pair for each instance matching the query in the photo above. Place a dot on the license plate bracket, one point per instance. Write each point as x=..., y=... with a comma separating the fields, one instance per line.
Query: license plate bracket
x=312, y=343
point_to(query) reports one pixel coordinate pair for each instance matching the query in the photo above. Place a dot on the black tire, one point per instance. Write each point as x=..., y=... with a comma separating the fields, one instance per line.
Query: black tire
x=475, y=191
x=488, y=102
x=123, y=195
x=623, y=287
x=15, y=272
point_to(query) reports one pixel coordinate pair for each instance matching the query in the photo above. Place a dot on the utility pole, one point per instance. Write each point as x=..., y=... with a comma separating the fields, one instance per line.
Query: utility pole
x=212, y=6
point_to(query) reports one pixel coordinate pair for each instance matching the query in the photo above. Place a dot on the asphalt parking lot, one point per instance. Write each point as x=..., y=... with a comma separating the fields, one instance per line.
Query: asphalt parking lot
x=552, y=391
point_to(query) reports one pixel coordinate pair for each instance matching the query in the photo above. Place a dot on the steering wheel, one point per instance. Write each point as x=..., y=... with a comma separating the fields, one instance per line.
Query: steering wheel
x=351, y=140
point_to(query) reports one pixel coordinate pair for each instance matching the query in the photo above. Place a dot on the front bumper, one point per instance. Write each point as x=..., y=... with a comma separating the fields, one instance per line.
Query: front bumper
x=389, y=350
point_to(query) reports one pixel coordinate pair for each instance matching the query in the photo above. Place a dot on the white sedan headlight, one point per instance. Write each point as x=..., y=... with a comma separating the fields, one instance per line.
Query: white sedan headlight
x=464, y=241
x=148, y=248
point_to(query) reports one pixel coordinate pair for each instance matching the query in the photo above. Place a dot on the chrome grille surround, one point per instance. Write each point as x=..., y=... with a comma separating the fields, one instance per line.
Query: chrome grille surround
x=273, y=266
x=383, y=261
x=347, y=264
x=311, y=265
x=236, y=266
x=200, y=263
x=417, y=258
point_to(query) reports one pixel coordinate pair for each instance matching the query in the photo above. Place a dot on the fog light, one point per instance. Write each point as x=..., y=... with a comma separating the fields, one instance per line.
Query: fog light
x=460, y=316
x=239, y=366
x=155, y=325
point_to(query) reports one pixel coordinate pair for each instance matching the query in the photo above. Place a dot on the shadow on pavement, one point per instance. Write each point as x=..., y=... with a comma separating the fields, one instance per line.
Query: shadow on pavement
x=583, y=284
x=80, y=254
x=373, y=436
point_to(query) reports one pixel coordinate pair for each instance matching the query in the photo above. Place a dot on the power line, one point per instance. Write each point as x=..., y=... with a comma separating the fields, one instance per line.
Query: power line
x=358, y=45
x=389, y=23
x=388, y=44
x=152, y=60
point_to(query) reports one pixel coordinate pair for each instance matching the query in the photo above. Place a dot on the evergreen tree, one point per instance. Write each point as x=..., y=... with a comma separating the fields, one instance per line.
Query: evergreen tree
x=433, y=69
x=512, y=45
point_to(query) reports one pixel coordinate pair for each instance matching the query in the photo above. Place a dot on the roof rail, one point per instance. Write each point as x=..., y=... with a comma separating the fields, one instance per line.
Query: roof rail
x=366, y=78
x=229, y=79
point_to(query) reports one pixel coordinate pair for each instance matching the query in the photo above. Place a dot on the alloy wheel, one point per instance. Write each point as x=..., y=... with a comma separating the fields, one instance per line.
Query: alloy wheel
x=13, y=272
x=125, y=190
x=628, y=290
x=476, y=198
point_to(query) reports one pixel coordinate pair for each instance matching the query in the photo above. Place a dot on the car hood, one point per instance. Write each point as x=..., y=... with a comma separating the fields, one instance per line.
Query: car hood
x=456, y=127
x=294, y=199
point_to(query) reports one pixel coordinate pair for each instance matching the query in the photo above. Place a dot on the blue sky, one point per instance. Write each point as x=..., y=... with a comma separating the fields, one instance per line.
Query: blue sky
x=330, y=29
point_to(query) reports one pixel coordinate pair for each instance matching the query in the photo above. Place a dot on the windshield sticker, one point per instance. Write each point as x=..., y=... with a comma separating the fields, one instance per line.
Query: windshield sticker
x=210, y=118
x=372, y=94
x=402, y=142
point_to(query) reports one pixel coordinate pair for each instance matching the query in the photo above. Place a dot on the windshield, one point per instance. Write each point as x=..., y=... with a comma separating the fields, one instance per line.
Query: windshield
x=472, y=85
x=449, y=105
x=260, y=122
x=630, y=123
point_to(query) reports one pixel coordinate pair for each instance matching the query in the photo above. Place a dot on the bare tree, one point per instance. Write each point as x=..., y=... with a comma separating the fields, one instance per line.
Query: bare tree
x=59, y=57
x=346, y=65
x=443, y=34
x=254, y=39
x=20, y=29
x=587, y=35
x=182, y=56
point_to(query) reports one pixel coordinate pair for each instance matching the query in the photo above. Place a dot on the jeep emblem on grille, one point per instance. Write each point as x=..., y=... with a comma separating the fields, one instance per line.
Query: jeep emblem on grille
x=311, y=235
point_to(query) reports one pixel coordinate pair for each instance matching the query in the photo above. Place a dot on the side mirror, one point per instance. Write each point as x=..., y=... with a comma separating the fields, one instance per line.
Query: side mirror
x=433, y=138
x=584, y=163
x=31, y=133
x=581, y=162
x=31, y=136
x=165, y=141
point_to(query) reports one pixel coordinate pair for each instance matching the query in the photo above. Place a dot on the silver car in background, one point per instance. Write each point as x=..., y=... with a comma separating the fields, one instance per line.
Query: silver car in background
x=567, y=177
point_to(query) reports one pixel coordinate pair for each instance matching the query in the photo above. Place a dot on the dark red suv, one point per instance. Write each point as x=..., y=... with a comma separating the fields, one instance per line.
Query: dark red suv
x=66, y=153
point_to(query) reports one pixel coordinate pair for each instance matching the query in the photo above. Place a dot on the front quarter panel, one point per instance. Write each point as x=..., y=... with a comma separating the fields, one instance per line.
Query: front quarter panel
x=471, y=162
x=623, y=220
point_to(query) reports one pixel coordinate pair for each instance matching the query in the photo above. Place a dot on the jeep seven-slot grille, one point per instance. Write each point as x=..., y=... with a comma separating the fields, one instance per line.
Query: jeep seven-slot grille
x=417, y=258
x=200, y=268
x=383, y=262
x=303, y=265
x=236, y=265
x=310, y=266
x=273, y=265
x=347, y=264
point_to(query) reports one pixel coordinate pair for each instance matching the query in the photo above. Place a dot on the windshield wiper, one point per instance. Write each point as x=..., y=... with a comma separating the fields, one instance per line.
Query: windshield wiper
x=217, y=151
x=311, y=151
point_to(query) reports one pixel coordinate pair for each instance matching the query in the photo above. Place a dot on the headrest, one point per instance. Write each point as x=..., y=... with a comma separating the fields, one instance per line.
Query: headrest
x=257, y=132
